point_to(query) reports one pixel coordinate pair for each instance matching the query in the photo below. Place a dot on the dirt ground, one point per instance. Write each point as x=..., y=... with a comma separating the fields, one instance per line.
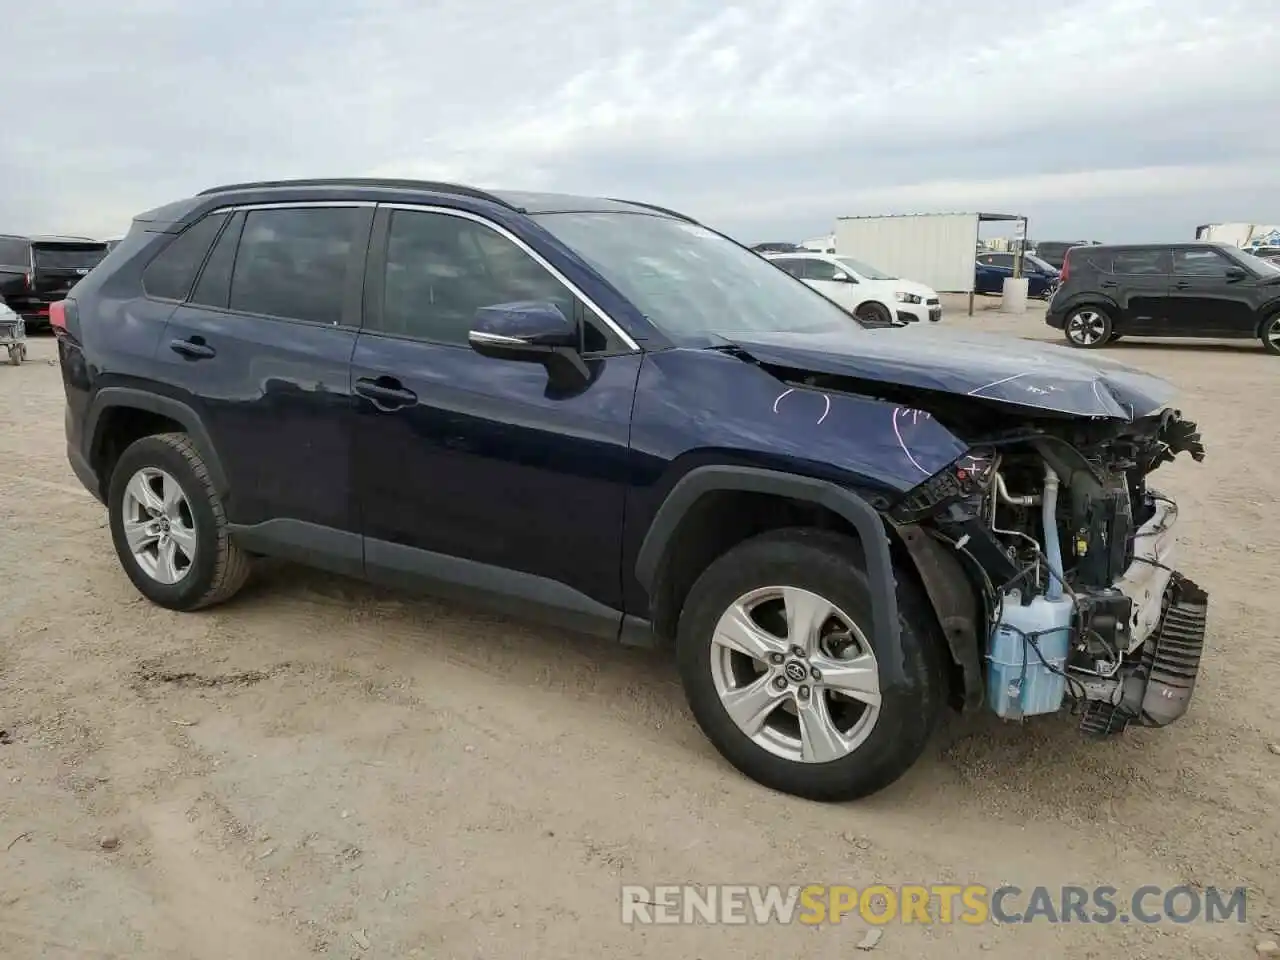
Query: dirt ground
x=319, y=769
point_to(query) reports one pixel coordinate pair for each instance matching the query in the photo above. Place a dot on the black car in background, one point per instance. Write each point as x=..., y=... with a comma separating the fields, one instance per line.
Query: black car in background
x=1054, y=252
x=1196, y=289
x=36, y=271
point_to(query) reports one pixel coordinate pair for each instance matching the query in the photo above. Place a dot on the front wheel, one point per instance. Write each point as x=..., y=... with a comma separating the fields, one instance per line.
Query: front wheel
x=779, y=669
x=17, y=353
x=874, y=315
x=1271, y=334
x=1088, y=328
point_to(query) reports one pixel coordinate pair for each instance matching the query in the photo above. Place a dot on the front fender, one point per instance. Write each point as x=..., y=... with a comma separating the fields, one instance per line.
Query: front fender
x=886, y=633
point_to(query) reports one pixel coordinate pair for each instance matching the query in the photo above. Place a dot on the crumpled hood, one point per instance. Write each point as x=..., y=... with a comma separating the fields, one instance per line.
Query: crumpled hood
x=987, y=366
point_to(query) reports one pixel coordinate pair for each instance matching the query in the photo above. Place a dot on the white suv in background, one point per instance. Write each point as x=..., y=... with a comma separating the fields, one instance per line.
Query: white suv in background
x=869, y=294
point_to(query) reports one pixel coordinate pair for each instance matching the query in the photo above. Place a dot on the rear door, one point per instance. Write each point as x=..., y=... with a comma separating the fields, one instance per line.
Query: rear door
x=993, y=269
x=261, y=349
x=1139, y=283
x=476, y=471
x=1203, y=302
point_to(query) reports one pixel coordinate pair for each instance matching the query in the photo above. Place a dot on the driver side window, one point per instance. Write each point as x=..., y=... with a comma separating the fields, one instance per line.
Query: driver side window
x=819, y=270
x=440, y=269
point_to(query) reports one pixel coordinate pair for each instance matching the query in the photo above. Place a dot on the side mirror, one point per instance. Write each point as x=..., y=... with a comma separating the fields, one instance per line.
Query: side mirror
x=841, y=277
x=530, y=331
x=1236, y=273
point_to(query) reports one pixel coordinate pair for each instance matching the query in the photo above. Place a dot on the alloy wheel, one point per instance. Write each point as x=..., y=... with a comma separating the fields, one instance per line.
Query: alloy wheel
x=795, y=674
x=159, y=526
x=1273, y=333
x=1086, y=327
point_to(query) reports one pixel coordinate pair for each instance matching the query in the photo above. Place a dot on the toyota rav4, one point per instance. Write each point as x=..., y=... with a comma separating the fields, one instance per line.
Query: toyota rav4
x=606, y=415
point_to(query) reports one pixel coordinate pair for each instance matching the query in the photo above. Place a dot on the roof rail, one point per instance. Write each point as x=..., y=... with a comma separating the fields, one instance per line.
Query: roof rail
x=437, y=187
x=653, y=206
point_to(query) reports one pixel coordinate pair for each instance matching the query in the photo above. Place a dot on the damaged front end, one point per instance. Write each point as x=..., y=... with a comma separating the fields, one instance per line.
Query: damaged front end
x=1071, y=556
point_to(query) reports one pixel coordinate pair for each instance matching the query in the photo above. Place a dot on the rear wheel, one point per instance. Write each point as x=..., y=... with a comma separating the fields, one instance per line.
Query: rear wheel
x=1088, y=327
x=1271, y=334
x=780, y=672
x=169, y=528
x=874, y=315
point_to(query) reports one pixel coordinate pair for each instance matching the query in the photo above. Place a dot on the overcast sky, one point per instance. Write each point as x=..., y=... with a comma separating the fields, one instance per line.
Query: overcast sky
x=1098, y=119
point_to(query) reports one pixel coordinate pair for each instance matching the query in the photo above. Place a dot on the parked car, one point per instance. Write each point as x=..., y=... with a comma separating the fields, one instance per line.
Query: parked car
x=776, y=246
x=36, y=271
x=1192, y=289
x=873, y=296
x=991, y=270
x=1271, y=254
x=1054, y=252
x=609, y=416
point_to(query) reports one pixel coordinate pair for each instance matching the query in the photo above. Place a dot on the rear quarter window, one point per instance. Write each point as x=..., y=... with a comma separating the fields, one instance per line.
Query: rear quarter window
x=170, y=275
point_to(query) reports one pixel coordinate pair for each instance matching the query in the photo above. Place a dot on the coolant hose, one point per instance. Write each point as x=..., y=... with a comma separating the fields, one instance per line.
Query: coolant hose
x=1052, y=549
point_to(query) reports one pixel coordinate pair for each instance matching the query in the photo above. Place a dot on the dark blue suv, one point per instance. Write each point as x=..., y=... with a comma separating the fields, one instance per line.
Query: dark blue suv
x=610, y=417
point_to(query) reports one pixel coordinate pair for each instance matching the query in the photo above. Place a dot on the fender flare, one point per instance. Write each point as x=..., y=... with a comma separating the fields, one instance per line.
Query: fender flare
x=114, y=397
x=1266, y=313
x=886, y=630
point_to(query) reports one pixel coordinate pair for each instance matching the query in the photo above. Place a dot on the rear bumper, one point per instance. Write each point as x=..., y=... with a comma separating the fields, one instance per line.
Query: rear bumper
x=84, y=472
x=1055, y=318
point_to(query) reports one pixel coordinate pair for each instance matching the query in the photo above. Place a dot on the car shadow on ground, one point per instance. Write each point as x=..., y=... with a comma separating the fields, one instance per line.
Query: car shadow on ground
x=633, y=685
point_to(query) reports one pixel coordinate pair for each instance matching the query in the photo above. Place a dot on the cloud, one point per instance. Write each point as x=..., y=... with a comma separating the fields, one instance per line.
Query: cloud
x=768, y=119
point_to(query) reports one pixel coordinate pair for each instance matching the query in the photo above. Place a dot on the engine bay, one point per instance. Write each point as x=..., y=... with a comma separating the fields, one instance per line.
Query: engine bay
x=1072, y=552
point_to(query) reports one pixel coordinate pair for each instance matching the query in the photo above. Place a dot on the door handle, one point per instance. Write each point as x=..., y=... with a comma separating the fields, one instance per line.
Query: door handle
x=193, y=349
x=387, y=393
x=1108, y=283
x=1181, y=285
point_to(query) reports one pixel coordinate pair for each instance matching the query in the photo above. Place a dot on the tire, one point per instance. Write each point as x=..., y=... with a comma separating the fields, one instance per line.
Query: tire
x=829, y=566
x=873, y=315
x=1087, y=327
x=15, y=354
x=215, y=568
x=1270, y=334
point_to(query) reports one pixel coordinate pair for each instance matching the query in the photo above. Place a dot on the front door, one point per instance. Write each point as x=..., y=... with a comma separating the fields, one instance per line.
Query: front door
x=1139, y=283
x=262, y=347
x=479, y=473
x=821, y=275
x=1203, y=301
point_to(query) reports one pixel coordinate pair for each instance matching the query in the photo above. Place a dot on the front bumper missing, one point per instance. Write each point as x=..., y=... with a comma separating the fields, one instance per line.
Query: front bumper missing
x=1147, y=578
x=1167, y=634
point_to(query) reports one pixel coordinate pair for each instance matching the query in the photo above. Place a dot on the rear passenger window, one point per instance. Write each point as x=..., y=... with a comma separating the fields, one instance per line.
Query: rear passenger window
x=170, y=274
x=1139, y=262
x=214, y=285
x=293, y=263
x=1199, y=263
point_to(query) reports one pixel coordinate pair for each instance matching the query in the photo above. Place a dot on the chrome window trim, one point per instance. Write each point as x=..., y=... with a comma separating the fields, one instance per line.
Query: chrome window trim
x=604, y=318
x=285, y=204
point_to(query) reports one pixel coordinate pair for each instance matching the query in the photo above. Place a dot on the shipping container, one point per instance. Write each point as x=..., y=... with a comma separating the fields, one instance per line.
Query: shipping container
x=936, y=249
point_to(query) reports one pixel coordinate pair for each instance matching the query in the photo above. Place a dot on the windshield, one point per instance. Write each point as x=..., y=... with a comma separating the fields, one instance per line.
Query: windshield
x=691, y=283
x=1264, y=267
x=66, y=256
x=1037, y=261
x=865, y=270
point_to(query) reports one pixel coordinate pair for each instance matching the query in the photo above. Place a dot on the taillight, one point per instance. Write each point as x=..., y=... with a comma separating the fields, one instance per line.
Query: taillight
x=58, y=316
x=26, y=279
x=1066, y=266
